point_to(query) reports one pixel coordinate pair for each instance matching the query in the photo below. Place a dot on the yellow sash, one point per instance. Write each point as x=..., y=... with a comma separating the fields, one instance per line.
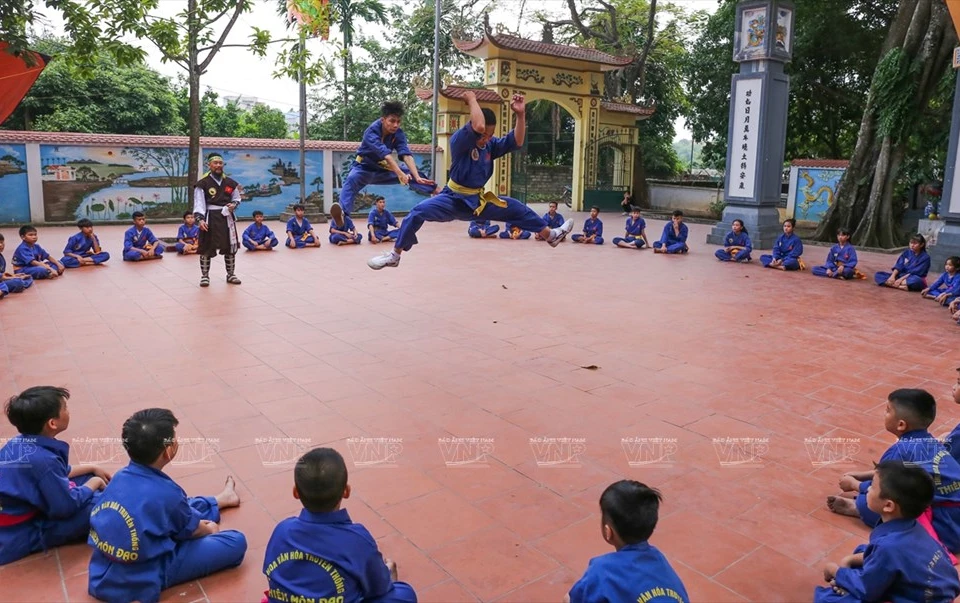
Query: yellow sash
x=857, y=275
x=802, y=265
x=485, y=196
x=382, y=164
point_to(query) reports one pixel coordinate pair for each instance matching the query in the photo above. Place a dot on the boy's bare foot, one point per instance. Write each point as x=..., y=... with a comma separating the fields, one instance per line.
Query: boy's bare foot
x=850, y=495
x=842, y=506
x=228, y=497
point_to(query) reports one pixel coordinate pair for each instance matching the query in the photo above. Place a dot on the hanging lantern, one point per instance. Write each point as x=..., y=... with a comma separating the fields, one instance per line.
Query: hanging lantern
x=313, y=16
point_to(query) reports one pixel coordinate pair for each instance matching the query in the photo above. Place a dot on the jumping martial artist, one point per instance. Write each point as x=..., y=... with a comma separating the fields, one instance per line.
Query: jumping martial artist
x=215, y=201
x=786, y=250
x=31, y=259
x=83, y=248
x=321, y=554
x=737, y=245
x=910, y=271
x=592, y=229
x=139, y=243
x=258, y=236
x=44, y=502
x=473, y=149
x=146, y=534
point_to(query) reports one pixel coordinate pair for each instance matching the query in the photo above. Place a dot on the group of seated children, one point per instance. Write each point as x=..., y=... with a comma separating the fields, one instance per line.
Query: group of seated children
x=382, y=226
x=147, y=535
x=911, y=499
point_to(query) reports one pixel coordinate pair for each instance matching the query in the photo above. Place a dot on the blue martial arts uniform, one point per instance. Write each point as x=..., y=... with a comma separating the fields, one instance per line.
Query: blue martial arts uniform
x=901, y=564
x=24, y=254
x=841, y=259
x=637, y=572
x=347, y=226
x=508, y=232
x=671, y=241
x=381, y=223
x=556, y=221
x=327, y=557
x=299, y=232
x=952, y=443
x=914, y=266
x=482, y=226
x=370, y=166
x=470, y=169
x=39, y=506
x=634, y=230
x=188, y=234
x=787, y=248
x=255, y=235
x=140, y=533
x=12, y=285
x=946, y=283
x=134, y=239
x=923, y=450
x=80, y=245
x=591, y=226
x=735, y=240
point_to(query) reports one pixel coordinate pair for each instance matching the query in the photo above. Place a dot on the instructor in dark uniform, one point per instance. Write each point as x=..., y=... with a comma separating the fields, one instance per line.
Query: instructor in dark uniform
x=215, y=198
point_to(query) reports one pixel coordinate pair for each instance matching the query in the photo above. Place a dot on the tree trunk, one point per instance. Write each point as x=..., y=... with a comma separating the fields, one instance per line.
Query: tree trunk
x=555, y=127
x=346, y=70
x=641, y=197
x=193, y=78
x=865, y=201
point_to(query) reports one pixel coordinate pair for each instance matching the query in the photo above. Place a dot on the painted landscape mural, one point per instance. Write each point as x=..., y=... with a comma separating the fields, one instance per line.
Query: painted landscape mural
x=104, y=183
x=399, y=198
x=14, y=196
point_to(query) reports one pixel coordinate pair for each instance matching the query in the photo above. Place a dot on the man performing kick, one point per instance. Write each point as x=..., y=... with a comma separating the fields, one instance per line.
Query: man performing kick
x=473, y=149
x=375, y=163
x=215, y=198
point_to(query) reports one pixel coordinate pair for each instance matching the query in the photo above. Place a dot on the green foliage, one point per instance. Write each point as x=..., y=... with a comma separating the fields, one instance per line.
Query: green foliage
x=716, y=208
x=895, y=88
x=115, y=99
x=414, y=40
x=262, y=122
x=836, y=47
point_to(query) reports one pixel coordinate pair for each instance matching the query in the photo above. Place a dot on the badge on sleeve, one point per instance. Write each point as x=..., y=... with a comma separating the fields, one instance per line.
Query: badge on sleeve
x=475, y=154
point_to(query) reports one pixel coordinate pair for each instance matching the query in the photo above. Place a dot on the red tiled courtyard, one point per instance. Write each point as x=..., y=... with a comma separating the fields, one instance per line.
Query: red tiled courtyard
x=486, y=341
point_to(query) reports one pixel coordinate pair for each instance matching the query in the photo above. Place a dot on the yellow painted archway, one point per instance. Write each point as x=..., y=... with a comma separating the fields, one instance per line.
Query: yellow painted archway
x=570, y=76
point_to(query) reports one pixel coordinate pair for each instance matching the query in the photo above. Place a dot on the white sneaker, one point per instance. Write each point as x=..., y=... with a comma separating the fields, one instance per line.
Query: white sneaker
x=561, y=233
x=382, y=261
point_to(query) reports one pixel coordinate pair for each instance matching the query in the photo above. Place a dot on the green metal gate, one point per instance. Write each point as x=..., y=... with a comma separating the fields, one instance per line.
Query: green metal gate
x=519, y=178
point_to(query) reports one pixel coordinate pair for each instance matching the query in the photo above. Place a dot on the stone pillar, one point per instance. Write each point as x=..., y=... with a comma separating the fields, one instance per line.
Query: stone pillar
x=948, y=241
x=757, y=129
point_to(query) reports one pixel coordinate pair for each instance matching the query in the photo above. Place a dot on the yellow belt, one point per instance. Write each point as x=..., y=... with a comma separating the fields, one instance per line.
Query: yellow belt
x=485, y=196
x=382, y=164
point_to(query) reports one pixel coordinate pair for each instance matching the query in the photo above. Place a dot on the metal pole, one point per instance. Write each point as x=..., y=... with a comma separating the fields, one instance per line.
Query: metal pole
x=303, y=123
x=436, y=85
x=693, y=143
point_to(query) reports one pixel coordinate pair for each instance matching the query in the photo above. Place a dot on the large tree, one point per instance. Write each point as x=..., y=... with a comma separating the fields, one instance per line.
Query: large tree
x=131, y=99
x=414, y=41
x=349, y=15
x=914, y=61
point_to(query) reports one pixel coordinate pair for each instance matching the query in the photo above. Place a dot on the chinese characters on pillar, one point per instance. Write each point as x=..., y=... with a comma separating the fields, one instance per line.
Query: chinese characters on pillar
x=744, y=138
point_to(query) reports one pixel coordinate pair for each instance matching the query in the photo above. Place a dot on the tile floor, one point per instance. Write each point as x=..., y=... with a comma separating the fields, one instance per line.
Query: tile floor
x=740, y=393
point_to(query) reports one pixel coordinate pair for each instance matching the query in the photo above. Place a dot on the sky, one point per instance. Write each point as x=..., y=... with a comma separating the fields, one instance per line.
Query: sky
x=236, y=71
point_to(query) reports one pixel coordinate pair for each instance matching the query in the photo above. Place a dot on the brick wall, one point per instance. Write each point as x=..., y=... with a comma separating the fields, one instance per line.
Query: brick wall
x=548, y=179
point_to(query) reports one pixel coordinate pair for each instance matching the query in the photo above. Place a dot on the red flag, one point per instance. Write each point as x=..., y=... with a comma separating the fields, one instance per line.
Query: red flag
x=16, y=78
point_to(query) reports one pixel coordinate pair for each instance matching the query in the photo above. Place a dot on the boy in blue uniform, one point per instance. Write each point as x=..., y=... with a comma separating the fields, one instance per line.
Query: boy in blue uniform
x=592, y=229
x=145, y=533
x=947, y=287
x=83, y=248
x=910, y=271
x=902, y=563
x=473, y=149
x=737, y=244
x=552, y=218
x=139, y=243
x=375, y=163
x=673, y=239
x=11, y=282
x=321, y=555
x=345, y=233
x=44, y=502
x=379, y=222
x=908, y=415
x=637, y=571
x=482, y=229
x=786, y=250
x=258, y=236
x=636, y=237
x=841, y=259
x=512, y=231
x=300, y=231
x=32, y=259
x=188, y=235
x=952, y=441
